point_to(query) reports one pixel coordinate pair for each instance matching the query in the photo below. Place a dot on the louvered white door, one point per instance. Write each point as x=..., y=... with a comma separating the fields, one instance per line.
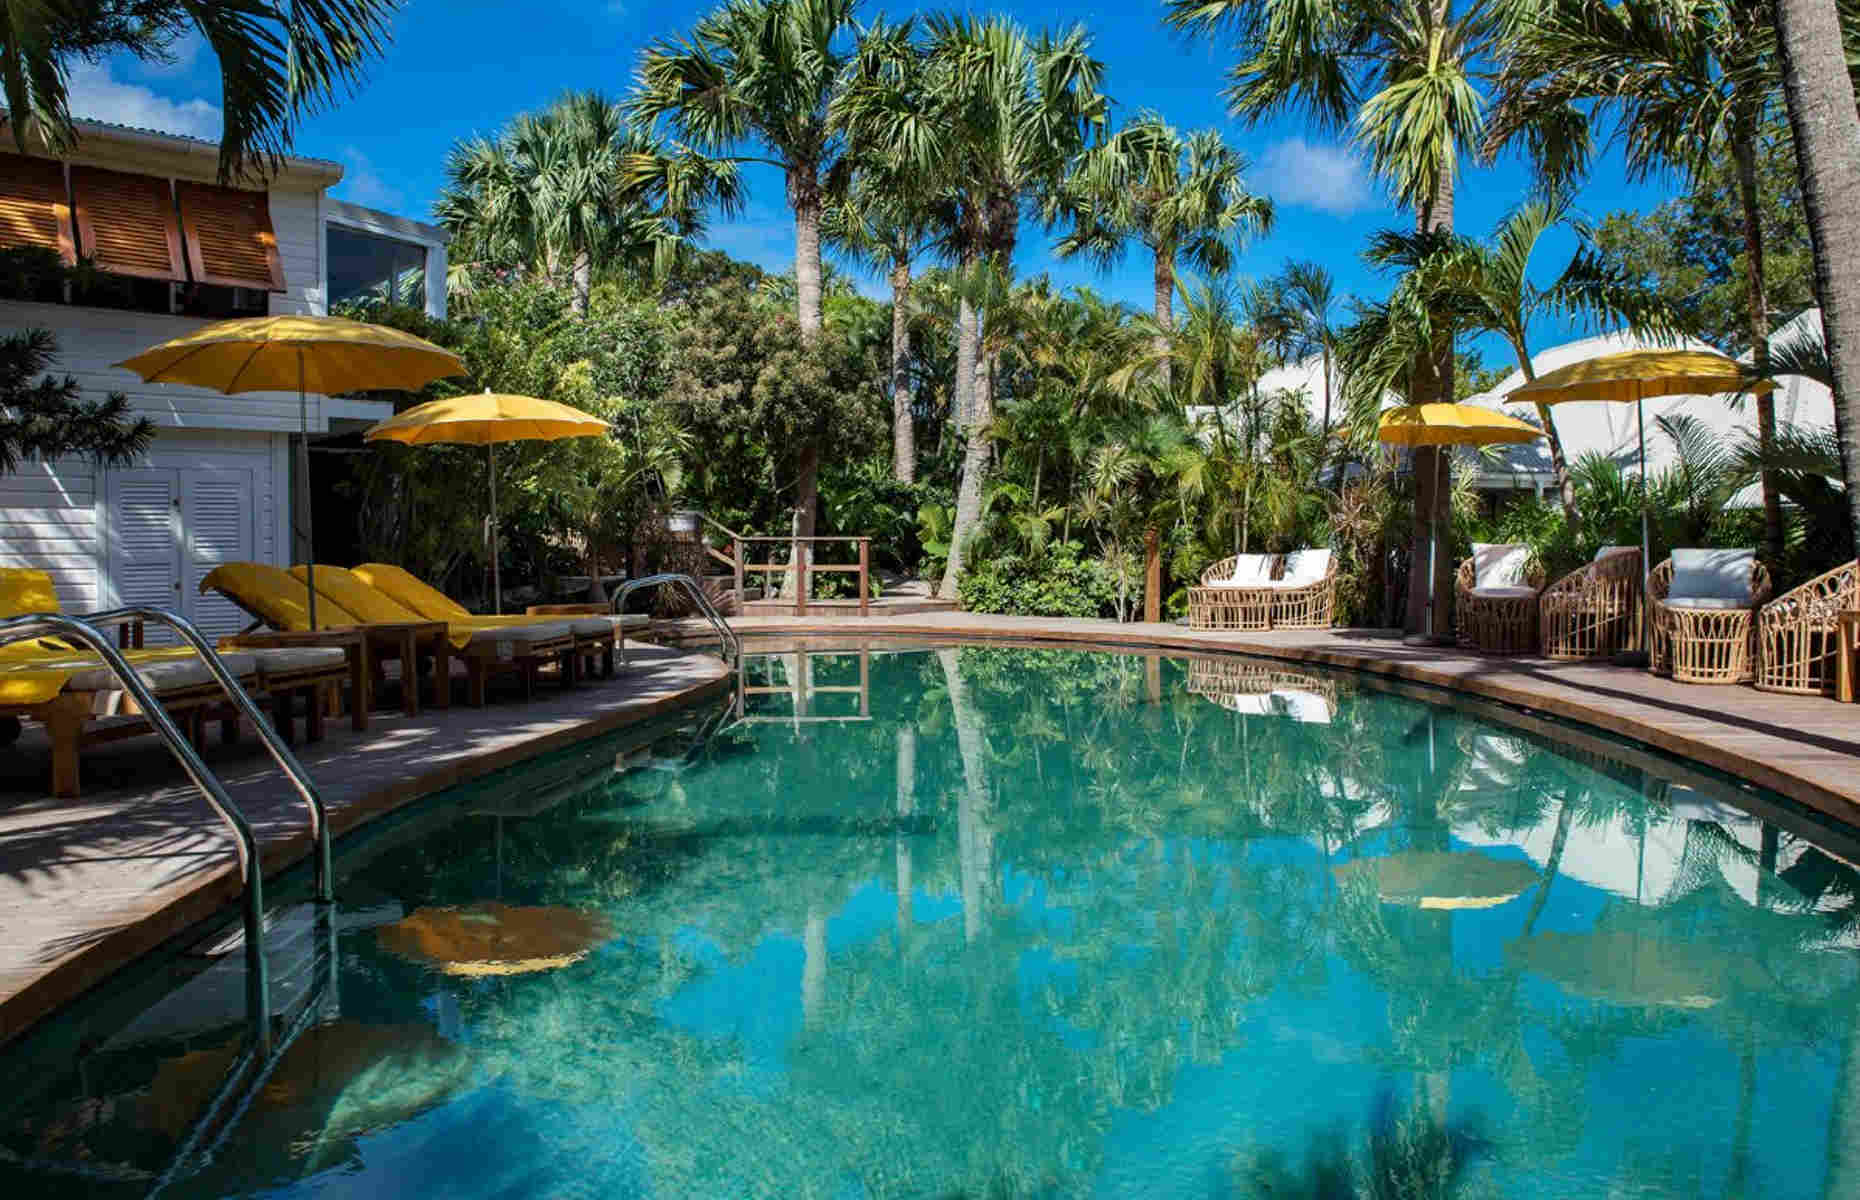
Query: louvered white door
x=145, y=554
x=218, y=513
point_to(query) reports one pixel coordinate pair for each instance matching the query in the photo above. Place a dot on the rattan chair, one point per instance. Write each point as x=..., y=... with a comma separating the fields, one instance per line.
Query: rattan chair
x=1309, y=605
x=1705, y=645
x=1595, y=610
x=1216, y=605
x=1498, y=620
x=1239, y=685
x=1797, y=640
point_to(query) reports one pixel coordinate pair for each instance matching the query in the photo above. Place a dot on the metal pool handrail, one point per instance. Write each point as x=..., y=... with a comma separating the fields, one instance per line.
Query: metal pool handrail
x=257, y=982
x=323, y=877
x=732, y=645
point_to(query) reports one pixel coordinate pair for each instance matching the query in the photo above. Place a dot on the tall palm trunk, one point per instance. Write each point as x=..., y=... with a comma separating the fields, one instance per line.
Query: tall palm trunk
x=1165, y=309
x=583, y=282
x=804, y=196
x=1433, y=467
x=1744, y=155
x=975, y=836
x=975, y=456
x=903, y=427
x=1559, y=461
x=1827, y=145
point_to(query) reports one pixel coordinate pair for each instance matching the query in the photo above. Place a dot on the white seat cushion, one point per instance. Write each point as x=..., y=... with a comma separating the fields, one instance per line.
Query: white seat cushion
x=1250, y=571
x=1505, y=593
x=168, y=675
x=1711, y=575
x=1304, y=568
x=1707, y=603
x=1499, y=564
x=1605, y=551
x=518, y=639
x=1306, y=707
x=593, y=626
x=284, y=660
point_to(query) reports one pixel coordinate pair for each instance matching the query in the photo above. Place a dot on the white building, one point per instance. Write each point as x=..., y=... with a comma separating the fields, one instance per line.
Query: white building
x=178, y=251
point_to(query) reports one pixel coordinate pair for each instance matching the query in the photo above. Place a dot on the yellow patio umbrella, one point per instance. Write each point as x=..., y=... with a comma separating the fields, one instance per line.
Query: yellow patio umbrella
x=1437, y=879
x=1631, y=376
x=485, y=419
x=325, y=355
x=1448, y=425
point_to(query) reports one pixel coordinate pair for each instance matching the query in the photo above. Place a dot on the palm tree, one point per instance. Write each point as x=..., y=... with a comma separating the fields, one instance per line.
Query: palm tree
x=1001, y=113
x=278, y=62
x=888, y=219
x=1304, y=298
x=764, y=71
x=1685, y=84
x=1182, y=197
x=573, y=188
x=1405, y=77
x=1827, y=143
x=1494, y=294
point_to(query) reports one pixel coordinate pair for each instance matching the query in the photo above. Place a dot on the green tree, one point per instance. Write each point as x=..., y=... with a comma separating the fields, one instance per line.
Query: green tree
x=278, y=62
x=1182, y=197
x=764, y=71
x=1304, y=297
x=46, y=418
x=1686, y=85
x=1001, y=114
x=573, y=189
x=1406, y=79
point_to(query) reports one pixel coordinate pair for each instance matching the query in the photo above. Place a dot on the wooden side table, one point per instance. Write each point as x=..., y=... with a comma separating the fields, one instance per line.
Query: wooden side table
x=1846, y=654
x=404, y=640
x=353, y=642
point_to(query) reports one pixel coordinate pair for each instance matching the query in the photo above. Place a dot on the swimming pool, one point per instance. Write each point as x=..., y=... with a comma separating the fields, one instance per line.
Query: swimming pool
x=984, y=921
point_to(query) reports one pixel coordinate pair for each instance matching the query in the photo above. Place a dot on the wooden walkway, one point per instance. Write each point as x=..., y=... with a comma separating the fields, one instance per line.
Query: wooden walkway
x=88, y=885
x=1805, y=748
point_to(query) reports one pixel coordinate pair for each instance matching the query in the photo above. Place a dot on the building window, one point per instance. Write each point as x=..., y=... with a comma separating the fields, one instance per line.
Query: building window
x=368, y=268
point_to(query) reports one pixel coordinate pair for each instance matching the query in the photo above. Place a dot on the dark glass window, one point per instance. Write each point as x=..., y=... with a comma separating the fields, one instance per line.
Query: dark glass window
x=367, y=267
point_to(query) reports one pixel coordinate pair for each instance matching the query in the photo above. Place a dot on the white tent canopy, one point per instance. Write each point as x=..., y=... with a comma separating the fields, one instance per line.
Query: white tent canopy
x=1609, y=429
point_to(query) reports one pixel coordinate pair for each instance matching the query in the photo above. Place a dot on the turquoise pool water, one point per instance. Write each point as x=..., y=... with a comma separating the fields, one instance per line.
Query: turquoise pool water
x=1023, y=923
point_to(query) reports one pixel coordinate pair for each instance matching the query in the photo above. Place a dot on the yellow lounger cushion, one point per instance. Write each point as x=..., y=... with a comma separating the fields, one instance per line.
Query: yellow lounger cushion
x=410, y=591
x=273, y=596
x=32, y=674
x=26, y=590
x=345, y=588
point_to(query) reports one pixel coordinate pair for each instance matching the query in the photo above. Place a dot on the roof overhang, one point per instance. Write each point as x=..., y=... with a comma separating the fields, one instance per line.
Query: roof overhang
x=108, y=145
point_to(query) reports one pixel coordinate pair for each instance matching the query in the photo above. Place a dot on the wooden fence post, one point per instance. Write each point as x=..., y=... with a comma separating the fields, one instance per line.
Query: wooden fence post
x=800, y=580
x=742, y=597
x=865, y=562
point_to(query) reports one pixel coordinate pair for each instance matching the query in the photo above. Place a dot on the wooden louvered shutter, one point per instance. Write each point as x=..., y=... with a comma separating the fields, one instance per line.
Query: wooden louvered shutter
x=126, y=224
x=34, y=209
x=229, y=237
x=216, y=519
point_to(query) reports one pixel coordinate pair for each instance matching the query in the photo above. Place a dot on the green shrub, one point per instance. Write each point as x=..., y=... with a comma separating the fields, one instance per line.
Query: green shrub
x=1059, y=584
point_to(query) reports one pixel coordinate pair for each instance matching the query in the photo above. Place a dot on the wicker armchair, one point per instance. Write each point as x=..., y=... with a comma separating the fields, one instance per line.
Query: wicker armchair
x=1246, y=687
x=1595, y=610
x=1309, y=605
x=1499, y=620
x=1796, y=636
x=1215, y=605
x=1705, y=645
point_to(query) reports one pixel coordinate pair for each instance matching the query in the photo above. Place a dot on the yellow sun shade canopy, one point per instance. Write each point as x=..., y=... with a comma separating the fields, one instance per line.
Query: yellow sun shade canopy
x=1451, y=425
x=1635, y=375
x=325, y=355
x=485, y=419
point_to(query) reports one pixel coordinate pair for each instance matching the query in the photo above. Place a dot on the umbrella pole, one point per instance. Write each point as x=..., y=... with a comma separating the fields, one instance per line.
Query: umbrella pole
x=1643, y=656
x=306, y=521
x=497, y=583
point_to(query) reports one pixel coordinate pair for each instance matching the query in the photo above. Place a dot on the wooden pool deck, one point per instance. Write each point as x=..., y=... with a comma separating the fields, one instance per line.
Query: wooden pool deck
x=1806, y=748
x=88, y=885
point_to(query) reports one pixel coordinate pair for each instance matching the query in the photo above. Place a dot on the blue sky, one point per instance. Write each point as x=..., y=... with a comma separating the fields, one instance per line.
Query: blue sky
x=462, y=67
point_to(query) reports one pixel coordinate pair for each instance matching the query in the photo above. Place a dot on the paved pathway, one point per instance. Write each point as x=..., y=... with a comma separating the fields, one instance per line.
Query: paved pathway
x=1804, y=747
x=88, y=885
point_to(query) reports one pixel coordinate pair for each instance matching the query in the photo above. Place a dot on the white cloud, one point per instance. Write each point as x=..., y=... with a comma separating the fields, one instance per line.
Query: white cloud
x=1330, y=179
x=97, y=94
x=362, y=184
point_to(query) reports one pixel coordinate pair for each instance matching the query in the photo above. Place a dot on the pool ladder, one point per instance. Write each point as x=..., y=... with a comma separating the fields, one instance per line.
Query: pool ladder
x=88, y=631
x=732, y=645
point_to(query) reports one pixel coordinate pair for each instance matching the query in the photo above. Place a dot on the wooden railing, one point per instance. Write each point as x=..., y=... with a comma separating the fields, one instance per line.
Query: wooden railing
x=799, y=564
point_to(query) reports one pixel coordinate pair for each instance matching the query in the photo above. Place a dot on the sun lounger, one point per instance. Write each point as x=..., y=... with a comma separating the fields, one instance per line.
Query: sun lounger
x=81, y=702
